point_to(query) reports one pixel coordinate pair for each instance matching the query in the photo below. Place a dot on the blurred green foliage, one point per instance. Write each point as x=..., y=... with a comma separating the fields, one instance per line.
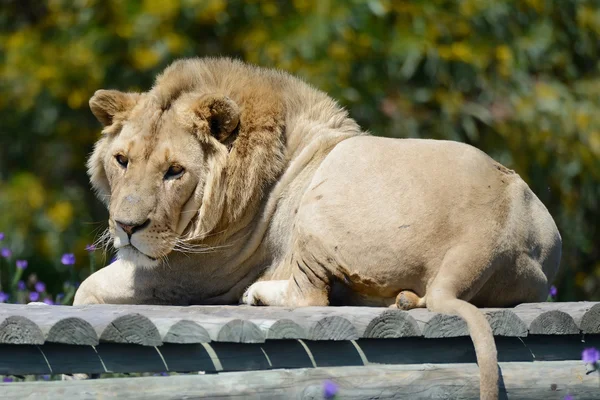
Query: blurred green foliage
x=518, y=79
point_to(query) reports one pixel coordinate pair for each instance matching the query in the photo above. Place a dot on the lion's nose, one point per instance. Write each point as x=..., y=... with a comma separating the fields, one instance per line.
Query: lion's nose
x=131, y=228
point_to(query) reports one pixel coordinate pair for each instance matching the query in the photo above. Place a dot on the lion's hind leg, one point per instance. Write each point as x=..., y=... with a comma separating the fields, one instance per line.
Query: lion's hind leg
x=407, y=300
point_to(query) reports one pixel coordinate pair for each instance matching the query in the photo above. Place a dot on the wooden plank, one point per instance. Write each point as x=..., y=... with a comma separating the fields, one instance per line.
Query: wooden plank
x=22, y=359
x=184, y=358
x=524, y=381
x=241, y=356
x=330, y=354
x=67, y=359
x=217, y=356
x=118, y=357
x=153, y=325
x=287, y=354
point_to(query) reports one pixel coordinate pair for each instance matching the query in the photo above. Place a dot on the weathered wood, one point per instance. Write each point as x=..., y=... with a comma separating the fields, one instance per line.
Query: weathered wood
x=22, y=359
x=439, y=325
x=72, y=331
x=186, y=331
x=590, y=322
x=153, y=325
x=240, y=331
x=505, y=323
x=20, y=330
x=65, y=359
x=526, y=381
x=283, y=329
x=553, y=322
x=132, y=328
x=392, y=324
x=542, y=318
x=221, y=356
x=333, y=328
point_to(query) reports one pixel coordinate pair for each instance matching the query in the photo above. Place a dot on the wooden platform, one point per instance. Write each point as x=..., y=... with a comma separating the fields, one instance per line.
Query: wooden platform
x=155, y=325
x=425, y=354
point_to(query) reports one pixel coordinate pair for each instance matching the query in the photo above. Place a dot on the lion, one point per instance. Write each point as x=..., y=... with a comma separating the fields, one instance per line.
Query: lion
x=231, y=183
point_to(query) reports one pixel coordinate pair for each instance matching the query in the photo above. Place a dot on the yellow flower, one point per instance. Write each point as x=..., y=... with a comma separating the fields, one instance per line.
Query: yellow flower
x=145, y=58
x=162, y=8
x=61, y=215
x=582, y=120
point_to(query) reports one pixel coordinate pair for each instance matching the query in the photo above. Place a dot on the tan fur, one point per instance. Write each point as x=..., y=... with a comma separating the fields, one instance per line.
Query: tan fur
x=285, y=201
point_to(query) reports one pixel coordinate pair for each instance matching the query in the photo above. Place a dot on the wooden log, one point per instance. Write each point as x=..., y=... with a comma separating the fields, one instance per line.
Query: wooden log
x=505, y=322
x=283, y=329
x=553, y=318
x=185, y=331
x=392, y=324
x=132, y=328
x=333, y=328
x=435, y=325
x=20, y=330
x=523, y=381
x=241, y=331
x=153, y=325
x=590, y=322
x=553, y=322
x=72, y=331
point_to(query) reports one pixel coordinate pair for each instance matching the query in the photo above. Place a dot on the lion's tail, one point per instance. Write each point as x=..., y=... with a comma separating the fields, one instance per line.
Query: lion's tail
x=483, y=340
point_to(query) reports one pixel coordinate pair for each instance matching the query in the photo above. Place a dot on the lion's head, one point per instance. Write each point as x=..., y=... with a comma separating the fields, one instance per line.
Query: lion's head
x=175, y=163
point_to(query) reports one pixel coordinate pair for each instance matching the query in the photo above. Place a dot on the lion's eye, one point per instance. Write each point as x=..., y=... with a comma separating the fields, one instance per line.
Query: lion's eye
x=122, y=160
x=174, y=171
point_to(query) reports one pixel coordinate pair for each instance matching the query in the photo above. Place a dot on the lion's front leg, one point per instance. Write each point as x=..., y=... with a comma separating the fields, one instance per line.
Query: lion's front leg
x=266, y=293
x=113, y=284
x=309, y=285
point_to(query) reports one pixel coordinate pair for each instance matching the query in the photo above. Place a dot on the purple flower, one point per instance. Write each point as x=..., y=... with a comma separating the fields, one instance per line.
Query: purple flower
x=590, y=355
x=553, y=291
x=34, y=296
x=330, y=389
x=22, y=264
x=21, y=285
x=5, y=252
x=1, y=235
x=48, y=301
x=46, y=377
x=3, y=297
x=90, y=247
x=7, y=379
x=568, y=397
x=68, y=259
x=40, y=287
x=59, y=297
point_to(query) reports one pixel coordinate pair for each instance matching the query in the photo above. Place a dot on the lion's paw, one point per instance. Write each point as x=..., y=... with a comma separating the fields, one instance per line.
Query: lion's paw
x=249, y=297
x=265, y=293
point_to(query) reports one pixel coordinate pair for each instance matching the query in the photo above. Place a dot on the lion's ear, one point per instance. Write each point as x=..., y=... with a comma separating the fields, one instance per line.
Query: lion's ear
x=106, y=104
x=220, y=113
